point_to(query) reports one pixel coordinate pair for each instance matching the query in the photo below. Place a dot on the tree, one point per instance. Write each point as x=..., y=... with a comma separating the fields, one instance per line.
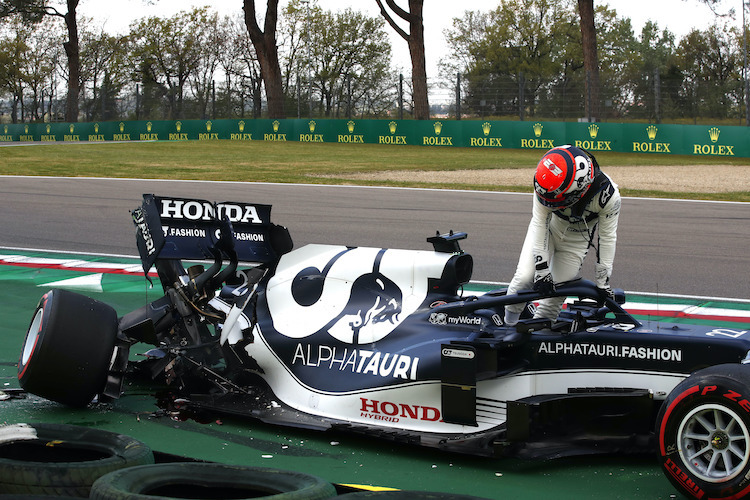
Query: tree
x=28, y=55
x=35, y=10
x=521, y=50
x=295, y=38
x=461, y=38
x=13, y=54
x=211, y=42
x=713, y=5
x=711, y=65
x=590, y=59
x=618, y=55
x=564, y=96
x=241, y=65
x=266, y=50
x=415, y=40
x=339, y=61
x=236, y=58
x=104, y=66
x=525, y=57
x=651, y=73
x=168, y=52
x=348, y=58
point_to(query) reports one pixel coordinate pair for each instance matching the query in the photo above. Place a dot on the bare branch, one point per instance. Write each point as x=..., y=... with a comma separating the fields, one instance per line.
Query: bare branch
x=403, y=34
x=406, y=16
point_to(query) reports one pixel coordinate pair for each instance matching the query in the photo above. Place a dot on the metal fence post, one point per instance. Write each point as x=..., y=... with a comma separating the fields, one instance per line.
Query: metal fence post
x=458, y=96
x=400, y=96
x=657, y=95
x=521, y=106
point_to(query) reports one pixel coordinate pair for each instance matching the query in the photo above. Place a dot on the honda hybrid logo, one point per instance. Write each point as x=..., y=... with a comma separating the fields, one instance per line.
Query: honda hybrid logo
x=205, y=211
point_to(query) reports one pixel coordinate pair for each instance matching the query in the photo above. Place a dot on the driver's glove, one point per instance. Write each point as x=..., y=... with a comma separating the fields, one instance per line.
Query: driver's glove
x=602, y=281
x=605, y=291
x=543, y=283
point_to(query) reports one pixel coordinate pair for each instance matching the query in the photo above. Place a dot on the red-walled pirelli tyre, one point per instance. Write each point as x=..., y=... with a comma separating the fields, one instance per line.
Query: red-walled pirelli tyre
x=208, y=480
x=68, y=348
x=703, y=431
x=63, y=460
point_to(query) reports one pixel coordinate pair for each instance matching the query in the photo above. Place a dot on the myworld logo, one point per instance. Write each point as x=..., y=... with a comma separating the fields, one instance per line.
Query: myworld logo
x=439, y=318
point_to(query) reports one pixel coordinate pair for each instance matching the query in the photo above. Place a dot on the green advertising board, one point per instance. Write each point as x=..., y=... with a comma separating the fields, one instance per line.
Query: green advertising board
x=700, y=140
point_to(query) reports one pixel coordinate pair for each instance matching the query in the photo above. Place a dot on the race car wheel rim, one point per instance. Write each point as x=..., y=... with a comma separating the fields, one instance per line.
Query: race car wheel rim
x=714, y=443
x=32, y=336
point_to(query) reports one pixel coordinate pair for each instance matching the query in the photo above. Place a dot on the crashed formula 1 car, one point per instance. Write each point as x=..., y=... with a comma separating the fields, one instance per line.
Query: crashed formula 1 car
x=381, y=342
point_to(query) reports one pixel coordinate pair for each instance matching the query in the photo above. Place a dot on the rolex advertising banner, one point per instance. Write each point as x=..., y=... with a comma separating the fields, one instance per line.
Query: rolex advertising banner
x=699, y=140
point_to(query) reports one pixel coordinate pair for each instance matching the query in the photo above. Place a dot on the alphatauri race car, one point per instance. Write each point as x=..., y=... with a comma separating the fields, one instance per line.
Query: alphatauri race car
x=384, y=342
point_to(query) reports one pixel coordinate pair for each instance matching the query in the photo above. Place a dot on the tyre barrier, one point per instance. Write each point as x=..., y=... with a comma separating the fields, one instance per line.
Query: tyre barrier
x=41, y=461
x=208, y=480
x=63, y=460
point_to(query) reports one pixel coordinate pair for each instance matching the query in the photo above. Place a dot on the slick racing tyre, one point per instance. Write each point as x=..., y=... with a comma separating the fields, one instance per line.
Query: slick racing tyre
x=703, y=431
x=208, y=480
x=68, y=348
x=63, y=460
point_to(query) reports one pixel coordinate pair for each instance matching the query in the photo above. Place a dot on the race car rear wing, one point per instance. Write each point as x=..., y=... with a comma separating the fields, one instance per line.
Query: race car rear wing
x=191, y=229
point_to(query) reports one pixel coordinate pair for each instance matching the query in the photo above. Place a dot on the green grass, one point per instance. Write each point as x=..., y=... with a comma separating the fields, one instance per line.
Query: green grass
x=293, y=162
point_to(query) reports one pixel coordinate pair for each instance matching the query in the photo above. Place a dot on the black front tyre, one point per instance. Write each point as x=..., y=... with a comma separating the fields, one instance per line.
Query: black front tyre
x=703, y=432
x=68, y=348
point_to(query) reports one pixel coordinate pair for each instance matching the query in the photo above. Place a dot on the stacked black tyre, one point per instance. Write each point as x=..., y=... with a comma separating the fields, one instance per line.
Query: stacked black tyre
x=209, y=480
x=63, y=460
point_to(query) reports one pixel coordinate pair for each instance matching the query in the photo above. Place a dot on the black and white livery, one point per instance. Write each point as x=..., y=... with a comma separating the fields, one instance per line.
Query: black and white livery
x=383, y=342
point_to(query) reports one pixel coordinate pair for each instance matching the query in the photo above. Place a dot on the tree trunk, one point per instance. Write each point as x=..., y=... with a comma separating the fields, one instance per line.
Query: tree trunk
x=415, y=40
x=74, y=63
x=271, y=73
x=590, y=59
x=267, y=53
x=418, y=65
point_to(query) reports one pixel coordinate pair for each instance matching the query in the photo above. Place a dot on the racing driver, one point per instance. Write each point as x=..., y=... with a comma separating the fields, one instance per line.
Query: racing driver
x=572, y=197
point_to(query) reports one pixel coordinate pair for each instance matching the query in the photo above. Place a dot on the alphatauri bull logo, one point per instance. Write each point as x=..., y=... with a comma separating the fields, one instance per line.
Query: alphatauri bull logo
x=374, y=302
x=352, y=306
x=341, y=309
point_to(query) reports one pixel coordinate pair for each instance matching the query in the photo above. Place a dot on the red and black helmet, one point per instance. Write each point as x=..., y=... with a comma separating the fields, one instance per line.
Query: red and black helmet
x=563, y=176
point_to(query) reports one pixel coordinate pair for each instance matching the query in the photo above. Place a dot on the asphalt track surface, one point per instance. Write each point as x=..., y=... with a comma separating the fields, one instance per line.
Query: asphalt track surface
x=679, y=247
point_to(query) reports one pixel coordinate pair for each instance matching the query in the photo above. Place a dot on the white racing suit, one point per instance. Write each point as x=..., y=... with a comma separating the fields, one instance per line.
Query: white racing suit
x=559, y=240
